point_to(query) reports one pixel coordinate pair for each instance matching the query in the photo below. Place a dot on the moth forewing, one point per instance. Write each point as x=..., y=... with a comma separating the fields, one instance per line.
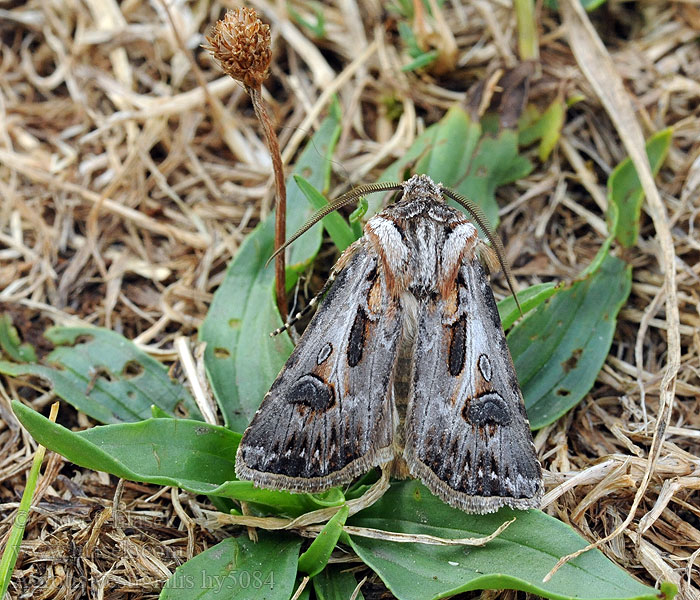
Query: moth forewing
x=328, y=416
x=405, y=359
x=467, y=434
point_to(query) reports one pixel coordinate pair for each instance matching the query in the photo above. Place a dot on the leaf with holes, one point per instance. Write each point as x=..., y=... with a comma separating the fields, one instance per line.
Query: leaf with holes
x=241, y=358
x=560, y=347
x=106, y=376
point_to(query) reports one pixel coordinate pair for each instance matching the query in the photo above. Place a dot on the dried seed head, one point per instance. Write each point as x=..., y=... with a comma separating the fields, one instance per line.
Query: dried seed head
x=240, y=43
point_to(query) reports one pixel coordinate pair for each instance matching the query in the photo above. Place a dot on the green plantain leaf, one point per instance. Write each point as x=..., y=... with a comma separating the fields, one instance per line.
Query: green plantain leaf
x=518, y=559
x=238, y=569
x=529, y=299
x=241, y=358
x=341, y=233
x=625, y=191
x=313, y=561
x=105, y=375
x=192, y=455
x=335, y=583
x=560, y=347
x=545, y=127
x=11, y=344
x=459, y=154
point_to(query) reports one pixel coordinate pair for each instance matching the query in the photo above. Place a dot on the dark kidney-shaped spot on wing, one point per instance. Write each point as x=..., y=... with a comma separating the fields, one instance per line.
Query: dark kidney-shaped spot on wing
x=310, y=391
x=488, y=408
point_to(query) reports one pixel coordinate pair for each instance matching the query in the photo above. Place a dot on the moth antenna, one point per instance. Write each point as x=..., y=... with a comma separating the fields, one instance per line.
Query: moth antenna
x=481, y=220
x=338, y=203
x=307, y=309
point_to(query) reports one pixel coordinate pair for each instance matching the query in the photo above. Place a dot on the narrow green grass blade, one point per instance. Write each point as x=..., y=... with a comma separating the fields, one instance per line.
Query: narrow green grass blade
x=11, y=550
x=341, y=233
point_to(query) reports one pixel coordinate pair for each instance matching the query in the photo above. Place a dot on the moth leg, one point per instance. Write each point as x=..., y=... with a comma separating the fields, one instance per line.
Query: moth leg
x=312, y=303
x=337, y=267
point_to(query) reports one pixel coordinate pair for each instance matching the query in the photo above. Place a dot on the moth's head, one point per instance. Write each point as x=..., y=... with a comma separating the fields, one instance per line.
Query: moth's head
x=421, y=186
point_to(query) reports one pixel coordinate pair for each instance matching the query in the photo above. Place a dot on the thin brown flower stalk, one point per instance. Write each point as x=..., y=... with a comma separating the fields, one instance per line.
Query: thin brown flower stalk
x=240, y=43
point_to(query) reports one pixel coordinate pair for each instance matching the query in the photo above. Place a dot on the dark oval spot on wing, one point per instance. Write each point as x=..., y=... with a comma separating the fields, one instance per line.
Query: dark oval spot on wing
x=487, y=409
x=310, y=391
x=455, y=360
x=356, y=342
x=324, y=353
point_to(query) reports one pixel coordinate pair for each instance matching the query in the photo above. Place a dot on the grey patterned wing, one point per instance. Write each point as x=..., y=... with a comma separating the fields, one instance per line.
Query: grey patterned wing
x=329, y=416
x=467, y=434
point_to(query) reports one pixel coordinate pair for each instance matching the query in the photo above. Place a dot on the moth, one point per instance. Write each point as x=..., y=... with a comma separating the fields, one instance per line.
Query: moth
x=404, y=364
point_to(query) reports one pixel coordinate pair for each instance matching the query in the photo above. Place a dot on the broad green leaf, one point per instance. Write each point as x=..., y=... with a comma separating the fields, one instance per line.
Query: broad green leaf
x=518, y=559
x=559, y=348
x=340, y=232
x=238, y=569
x=105, y=375
x=335, y=583
x=192, y=455
x=313, y=561
x=529, y=299
x=11, y=344
x=241, y=358
x=545, y=127
x=625, y=191
x=457, y=153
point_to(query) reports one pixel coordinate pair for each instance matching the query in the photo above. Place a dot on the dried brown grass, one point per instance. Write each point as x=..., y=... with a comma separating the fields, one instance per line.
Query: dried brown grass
x=126, y=188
